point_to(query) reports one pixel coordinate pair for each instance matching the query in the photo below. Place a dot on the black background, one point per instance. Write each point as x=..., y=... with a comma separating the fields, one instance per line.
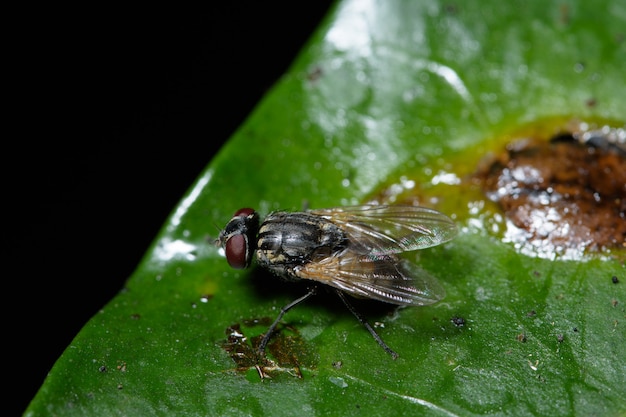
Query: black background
x=117, y=112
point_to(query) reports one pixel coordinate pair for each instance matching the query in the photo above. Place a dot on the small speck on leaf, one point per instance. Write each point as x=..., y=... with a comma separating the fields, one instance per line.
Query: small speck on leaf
x=458, y=321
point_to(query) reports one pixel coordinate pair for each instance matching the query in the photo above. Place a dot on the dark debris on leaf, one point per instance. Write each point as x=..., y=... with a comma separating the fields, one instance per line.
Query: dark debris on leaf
x=289, y=353
x=458, y=321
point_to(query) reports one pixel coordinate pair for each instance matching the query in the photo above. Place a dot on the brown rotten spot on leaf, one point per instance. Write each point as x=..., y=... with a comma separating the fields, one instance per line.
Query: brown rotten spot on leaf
x=562, y=196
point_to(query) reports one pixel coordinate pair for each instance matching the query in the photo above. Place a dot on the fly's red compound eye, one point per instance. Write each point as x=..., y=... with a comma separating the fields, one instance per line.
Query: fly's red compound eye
x=239, y=238
x=243, y=212
x=237, y=251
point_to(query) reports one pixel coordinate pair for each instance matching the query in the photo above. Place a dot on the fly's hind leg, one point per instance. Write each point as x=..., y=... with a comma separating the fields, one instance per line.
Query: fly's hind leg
x=364, y=322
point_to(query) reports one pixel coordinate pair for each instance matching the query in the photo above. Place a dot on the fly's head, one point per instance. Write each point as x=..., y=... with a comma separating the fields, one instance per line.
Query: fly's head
x=239, y=238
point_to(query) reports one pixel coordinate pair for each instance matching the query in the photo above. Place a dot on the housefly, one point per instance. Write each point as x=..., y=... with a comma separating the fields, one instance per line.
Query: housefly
x=355, y=250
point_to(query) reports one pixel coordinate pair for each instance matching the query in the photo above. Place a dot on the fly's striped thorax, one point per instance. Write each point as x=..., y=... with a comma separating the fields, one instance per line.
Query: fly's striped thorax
x=291, y=239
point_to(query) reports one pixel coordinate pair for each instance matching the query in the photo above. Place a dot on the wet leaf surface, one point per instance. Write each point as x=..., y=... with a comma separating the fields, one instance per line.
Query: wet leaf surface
x=396, y=102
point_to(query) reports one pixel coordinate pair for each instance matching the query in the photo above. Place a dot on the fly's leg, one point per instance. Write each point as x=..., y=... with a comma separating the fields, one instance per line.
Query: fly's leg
x=364, y=322
x=270, y=331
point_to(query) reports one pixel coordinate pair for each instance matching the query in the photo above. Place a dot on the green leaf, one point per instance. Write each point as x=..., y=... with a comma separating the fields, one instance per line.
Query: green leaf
x=390, y=102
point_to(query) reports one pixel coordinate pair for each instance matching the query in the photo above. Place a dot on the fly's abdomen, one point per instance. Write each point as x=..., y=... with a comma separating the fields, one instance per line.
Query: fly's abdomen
x=287, y=240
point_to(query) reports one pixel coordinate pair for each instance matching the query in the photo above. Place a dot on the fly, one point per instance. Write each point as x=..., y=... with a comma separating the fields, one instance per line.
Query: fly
x=355, y=250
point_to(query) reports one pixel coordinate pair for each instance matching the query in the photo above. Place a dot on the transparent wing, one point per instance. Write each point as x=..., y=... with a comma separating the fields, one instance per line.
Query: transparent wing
x=379, y=230
x=387, y=278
